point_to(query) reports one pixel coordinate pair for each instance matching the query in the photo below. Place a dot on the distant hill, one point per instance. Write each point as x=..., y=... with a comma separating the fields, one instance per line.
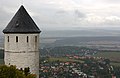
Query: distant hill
x=67, y=50
x=75, y=40
x=81, y=32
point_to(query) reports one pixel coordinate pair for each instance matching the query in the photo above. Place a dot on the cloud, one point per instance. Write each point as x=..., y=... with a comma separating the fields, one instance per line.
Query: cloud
x=65, y=13
x=111, y=1
x=4, y=17
x=94, y=20
x=79, y=14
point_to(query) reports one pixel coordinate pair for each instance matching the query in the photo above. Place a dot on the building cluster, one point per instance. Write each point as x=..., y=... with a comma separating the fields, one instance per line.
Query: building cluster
x=68, y=50
x=90, y=68
x=61, y=70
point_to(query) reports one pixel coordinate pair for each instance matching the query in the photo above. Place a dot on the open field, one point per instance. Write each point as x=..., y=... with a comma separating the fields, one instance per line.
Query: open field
x=64, y=59
x=113, y=56
x=115, y=64
x=72, y=60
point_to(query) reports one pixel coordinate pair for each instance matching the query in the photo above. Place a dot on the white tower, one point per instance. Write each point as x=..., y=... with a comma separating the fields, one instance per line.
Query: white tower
x=22, y=42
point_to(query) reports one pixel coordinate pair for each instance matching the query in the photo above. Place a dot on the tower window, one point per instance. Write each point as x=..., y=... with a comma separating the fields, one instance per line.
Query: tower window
x=16, y=38
x=35, y=38
x=8, y=38
x=27, y=39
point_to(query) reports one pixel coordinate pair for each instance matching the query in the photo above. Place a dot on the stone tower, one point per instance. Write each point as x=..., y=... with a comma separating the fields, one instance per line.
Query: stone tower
x=22, y=42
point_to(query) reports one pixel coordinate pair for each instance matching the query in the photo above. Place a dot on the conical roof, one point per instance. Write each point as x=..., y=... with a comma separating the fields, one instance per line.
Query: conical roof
x=21, y=23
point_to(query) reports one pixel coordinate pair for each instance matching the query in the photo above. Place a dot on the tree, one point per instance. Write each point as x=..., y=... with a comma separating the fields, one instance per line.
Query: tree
x=10, y=72
x=13, y=72
x=107, y=61
x=27, y=71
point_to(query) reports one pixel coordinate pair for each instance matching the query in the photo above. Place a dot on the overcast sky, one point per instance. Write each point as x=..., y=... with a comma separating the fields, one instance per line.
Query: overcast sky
x=64, y=14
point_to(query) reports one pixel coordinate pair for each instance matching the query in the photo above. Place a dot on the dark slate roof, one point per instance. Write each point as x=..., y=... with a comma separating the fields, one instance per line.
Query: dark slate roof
x=21, y=23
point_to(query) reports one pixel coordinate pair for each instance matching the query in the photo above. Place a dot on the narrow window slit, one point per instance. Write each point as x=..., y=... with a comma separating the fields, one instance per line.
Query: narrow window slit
x=35, y=38
x=16, y=38
x=8, y=38
x=27, y=39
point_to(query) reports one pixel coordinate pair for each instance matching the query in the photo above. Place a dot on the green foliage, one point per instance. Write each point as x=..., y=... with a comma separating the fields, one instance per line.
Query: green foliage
x=31, y=76
x=10, y=72
x=117, y=71
x=13, y=72
x=27, y=71
x=107, y=61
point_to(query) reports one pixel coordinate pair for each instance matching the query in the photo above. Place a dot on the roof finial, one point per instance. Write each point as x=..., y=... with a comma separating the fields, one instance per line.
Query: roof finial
x=22, y=2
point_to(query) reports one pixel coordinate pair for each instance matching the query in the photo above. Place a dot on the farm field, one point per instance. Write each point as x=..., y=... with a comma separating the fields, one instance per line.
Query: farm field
x=113, y=56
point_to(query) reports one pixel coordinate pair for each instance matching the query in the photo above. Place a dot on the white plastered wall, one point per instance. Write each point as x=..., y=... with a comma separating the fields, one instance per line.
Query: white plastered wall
x=22, y=53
